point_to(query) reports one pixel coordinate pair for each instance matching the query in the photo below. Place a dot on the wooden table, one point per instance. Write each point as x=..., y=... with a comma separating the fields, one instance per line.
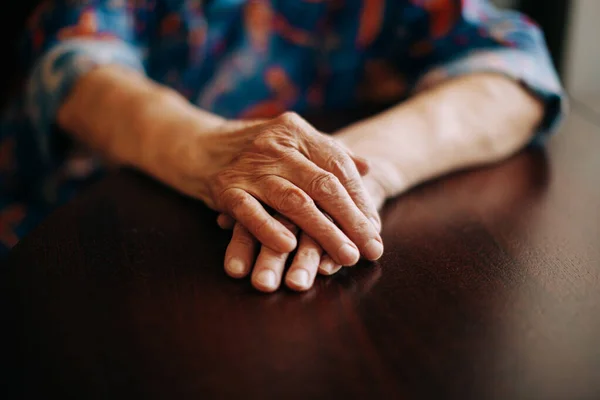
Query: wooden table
x=489, y=288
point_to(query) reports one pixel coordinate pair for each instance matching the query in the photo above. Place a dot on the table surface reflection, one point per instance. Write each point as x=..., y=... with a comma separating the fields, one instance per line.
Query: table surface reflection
x=489, y=288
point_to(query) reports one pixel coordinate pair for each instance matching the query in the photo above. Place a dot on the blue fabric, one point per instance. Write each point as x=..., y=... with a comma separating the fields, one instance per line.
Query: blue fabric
x=246, y=59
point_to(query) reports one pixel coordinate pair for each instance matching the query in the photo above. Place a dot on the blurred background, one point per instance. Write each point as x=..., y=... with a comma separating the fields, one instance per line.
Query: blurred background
x=572, y=29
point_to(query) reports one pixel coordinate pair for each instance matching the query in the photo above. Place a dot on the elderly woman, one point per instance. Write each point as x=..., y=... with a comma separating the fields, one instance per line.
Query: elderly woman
x=202, y=96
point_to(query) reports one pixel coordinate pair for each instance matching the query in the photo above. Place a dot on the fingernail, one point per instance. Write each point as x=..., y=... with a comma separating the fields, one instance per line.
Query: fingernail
x=376, y=224
x=348, y=255
x=236, y=267
x=373, y=250
x=267, y=279
x=299, y=277
x=327, y=266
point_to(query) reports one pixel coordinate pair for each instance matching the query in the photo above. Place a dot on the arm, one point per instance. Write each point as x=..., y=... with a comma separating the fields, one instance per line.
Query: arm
x=465, y=122
x=89, y=80
x=469, y=121
x=230, y=165
x=63, y=41
x=133, y=121
x=484, y=86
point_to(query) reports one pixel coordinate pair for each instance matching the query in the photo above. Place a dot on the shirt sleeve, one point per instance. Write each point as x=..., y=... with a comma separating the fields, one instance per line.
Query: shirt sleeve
x=452, y=38
x=65, y=39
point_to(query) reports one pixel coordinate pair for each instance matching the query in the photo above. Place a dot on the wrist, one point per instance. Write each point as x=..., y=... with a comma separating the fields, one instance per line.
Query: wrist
x=130, y=120
x=180, y=144
x=376, y=190
x=187, y=146
x=168, y=129
x=391, y=171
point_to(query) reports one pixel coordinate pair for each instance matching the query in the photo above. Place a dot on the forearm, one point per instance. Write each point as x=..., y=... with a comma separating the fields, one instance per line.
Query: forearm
x=465, y=122
x=133, y=121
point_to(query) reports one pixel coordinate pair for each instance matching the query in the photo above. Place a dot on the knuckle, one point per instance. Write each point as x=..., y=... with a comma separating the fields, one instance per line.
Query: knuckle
x=339, y=165
x=290, y=118
x=289, y=225
x=221, y=180
x=280, y=257
x=365, y=205
x=266, y=142
x=324, y=186
x=244, y=240
x=291, y=200
x=262, y=226
x=361, y=227
x=239, y=204
x=307, y=253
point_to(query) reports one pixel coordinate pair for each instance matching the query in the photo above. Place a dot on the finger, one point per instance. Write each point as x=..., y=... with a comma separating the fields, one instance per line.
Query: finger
x=251, y=214
x=303, y=270
x=377, y=193
x=296, y=205
x=269, y=265
x=327, y=266
x=240, y=253
x=225, y=221
x=330, y=156
x=361, y=163
x=330, y=195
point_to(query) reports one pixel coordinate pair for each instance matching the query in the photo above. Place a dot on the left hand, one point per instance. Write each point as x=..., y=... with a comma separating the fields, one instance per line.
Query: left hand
x=268, y=267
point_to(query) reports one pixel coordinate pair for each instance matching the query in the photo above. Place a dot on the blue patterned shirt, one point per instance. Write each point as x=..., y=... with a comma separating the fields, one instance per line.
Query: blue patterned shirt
x=246, y=59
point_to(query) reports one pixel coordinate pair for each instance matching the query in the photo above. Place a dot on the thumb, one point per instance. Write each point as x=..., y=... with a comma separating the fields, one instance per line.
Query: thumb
x=225, y=221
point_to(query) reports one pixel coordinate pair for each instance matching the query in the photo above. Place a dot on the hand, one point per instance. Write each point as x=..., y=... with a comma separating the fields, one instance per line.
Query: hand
x=269, y=265
x=289, y=166
x=232, y=166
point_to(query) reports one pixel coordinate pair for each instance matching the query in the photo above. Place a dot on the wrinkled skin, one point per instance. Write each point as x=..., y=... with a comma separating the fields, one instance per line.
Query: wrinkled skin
x=244, y=256
x=302, y=175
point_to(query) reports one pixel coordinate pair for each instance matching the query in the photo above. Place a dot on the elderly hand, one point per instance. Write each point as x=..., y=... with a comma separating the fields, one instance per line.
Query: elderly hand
x=235, y=167
x=285, y=164
x=268, y=267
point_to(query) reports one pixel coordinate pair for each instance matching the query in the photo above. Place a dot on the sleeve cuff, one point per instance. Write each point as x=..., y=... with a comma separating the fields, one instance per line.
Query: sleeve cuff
x=535, y=74
x=54, y=75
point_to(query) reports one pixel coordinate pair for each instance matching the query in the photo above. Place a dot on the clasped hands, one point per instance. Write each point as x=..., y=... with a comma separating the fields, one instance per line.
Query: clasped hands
x=283, y=186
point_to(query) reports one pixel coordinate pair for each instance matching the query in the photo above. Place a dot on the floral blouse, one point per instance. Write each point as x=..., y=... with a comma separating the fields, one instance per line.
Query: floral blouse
x=246, y=59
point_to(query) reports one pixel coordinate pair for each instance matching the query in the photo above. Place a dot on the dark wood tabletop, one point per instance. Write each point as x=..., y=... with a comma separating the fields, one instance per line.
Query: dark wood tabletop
x=489, y=288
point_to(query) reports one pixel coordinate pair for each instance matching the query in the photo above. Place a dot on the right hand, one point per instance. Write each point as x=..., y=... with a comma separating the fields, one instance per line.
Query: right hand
x=232, y=166
x=287, y=165
x=243, y=256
